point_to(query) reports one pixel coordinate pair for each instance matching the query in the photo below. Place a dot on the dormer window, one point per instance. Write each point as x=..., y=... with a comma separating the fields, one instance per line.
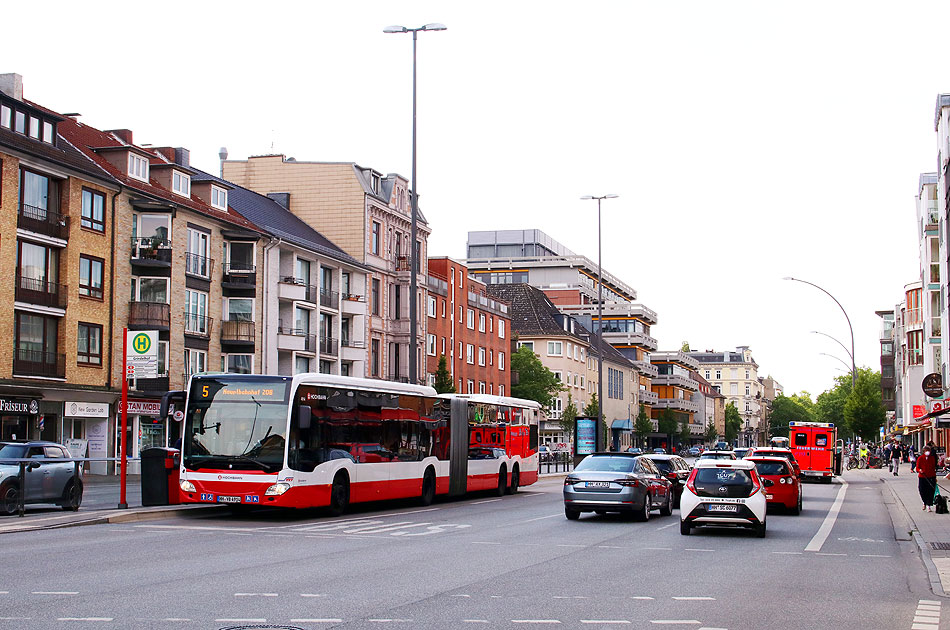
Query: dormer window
x=138, y=167
x=181, y=184
x=374, y=181
x=6, y=116
x=34, y=126
x=219, y=198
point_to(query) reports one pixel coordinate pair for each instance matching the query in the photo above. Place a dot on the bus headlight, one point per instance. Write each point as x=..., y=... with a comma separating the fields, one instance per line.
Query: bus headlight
x=277, y=489
x=186, y=486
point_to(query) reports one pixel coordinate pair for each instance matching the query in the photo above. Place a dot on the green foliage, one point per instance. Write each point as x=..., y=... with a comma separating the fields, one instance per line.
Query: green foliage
x=711, y=434
x=787, y=409
x=829, y=406
x=592, y=410
x=684, y=347
x=733, y=422
x=864, y=411
x=535, y=382
x=569, y=415
x=643, y=426
x=443, y=380
x=667, y=424
x=684, y=434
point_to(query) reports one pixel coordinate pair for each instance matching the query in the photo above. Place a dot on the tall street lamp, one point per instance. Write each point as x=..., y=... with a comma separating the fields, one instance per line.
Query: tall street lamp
x=843, y=347
x=600, y=326
x=854, y=373
x=413, y=202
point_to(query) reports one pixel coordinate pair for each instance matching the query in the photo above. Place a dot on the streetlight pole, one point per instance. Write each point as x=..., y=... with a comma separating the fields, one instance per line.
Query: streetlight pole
x=413, y=204
x=854, y=373
x=843, y=347
x=600, y=325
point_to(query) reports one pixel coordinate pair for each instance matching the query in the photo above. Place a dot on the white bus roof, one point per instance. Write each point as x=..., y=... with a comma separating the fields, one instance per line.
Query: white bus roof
x=490, y=399
x=332, y=380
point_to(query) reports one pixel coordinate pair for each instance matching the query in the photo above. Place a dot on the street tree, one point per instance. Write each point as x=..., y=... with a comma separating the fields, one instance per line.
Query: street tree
x=709, y=437
x=667, y=425
x=733, y=422
x=684, y=433
x=787, y=409
x=863, y=410
x=803, y=398
x=829, y=406
x=592, y=410
x=535, y=381
x=568, y=416
x=443, y=380
x=642, y=427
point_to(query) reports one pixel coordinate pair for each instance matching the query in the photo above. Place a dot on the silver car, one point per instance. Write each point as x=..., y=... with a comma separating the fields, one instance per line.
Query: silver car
x=50, y=478
x=616, y=482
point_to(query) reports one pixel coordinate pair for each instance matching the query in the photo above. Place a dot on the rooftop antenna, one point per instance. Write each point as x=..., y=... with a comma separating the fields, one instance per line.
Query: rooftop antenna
x=222, y=156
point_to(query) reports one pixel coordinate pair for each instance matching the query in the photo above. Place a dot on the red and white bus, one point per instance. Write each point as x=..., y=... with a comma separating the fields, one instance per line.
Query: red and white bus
x=813, y=444
x=316, y=440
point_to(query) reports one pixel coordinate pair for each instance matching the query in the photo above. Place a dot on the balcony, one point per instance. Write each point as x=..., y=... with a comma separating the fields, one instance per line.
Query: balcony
x=401, y=263
x=678, y=404
x=675, y=380
x=198, y=325
x=346, y=342
x=198, y=266
x=43, y=221
x=37, y=291
x=648, y=398
x=235, y=331
x=146, y=315
x=646, y=368
x=295, y=339
x=37, y=363
x=291, y=289
x=239, y=276
x=329, y=299
x=329, y=345
x=151, y=252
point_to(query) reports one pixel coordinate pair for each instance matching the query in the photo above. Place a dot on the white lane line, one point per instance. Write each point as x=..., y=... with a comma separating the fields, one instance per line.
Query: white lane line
x=475, y=621
x=571, y=597
x=580, y=546
x=608, y=547
x=229, y=620
x=175, y=619
x=327, y=620
x=488, y=501
x=666, y=526
x=541, y=518
x=934, y=620
x=84, y=619
x=461, y=596
x=551, y=621
x=313, y=594
x=390, y=620
x=681, y=622
x=255, y=594
x=695, y=599
x=641, y=597
x=925, y=626
x=825, y=530
x=929, y=601
x=689, y=549
x=605, y=621
x=55, y=593
x=4, y=592
x=872, y=555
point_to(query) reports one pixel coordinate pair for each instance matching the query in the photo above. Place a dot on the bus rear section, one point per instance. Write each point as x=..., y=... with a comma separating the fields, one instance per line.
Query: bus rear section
x=503, y=442
x=813, y=444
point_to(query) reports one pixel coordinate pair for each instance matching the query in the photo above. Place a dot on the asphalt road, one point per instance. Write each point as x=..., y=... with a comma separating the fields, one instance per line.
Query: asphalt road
x=512, y=562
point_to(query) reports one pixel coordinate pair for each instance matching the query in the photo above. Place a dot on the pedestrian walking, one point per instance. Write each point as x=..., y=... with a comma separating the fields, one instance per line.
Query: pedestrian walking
x=926, y=467
x=895, y=454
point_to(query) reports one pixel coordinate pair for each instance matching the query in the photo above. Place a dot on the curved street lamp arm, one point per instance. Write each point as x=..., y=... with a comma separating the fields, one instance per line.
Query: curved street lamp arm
x=854, y=371
x=843, y=347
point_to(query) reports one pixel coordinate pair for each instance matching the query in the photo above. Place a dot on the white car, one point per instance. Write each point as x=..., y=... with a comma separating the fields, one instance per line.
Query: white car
x=723, y=493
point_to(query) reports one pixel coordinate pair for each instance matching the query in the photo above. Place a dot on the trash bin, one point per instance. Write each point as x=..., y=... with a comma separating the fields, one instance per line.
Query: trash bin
x=160, y=476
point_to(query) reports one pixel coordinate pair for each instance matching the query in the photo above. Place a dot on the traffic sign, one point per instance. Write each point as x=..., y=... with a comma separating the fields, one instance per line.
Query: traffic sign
x=142, y=354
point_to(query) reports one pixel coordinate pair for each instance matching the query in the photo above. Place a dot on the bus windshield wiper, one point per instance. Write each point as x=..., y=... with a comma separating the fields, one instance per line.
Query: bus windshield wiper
x=244, y=458
x=219, y=461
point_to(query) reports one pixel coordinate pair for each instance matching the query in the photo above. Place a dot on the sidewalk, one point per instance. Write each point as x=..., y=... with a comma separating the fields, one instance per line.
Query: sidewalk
x=929, y=530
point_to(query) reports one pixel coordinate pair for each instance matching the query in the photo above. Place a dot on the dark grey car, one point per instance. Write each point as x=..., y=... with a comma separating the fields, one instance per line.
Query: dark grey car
x=616, y=482
x=50, y=478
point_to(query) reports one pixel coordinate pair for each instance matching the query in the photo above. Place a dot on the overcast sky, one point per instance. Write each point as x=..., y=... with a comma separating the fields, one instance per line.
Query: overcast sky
x=748, y=141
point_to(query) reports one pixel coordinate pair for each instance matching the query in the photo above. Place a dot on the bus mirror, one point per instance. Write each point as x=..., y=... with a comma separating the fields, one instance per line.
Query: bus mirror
x=303, y=418
x=170, y=401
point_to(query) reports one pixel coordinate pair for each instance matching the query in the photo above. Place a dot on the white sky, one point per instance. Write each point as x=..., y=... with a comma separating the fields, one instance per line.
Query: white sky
x=747, y=140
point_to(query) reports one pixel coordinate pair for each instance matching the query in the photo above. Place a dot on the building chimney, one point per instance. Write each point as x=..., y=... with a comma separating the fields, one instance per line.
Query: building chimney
x=125, y=135
x=11, y=84
x=283, y=198
x=182, y=157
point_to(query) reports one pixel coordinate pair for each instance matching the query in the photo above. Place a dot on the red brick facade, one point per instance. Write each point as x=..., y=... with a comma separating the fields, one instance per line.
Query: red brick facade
x=472, y=330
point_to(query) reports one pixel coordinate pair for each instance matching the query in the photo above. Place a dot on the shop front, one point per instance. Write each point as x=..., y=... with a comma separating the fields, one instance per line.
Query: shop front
x=20, y=419
x=144, y=429
x=85, y=432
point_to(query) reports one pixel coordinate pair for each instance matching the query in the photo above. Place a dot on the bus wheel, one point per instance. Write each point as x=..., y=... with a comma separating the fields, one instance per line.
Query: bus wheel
x=339, y=495
x=502, y=481
x=428, y=488
x=515, y=481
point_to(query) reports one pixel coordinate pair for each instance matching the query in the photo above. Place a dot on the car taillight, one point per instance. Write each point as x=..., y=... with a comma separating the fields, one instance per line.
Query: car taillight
x=570, y=481
x=671, y=476
x=691, y=482
x=628, y=482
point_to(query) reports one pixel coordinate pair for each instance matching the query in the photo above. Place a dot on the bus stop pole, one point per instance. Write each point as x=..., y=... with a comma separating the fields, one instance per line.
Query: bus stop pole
x=123, y=463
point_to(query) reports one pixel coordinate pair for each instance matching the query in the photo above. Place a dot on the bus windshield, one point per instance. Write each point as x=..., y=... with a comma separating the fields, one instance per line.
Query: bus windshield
x=236, y=423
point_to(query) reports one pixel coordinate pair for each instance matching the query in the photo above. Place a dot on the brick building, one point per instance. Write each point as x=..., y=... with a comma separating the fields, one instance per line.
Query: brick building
x=469, y=327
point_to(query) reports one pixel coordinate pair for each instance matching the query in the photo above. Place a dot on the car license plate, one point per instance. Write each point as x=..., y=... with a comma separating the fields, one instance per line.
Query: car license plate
x=229, y=499
x=722, y=507
x=769, y=497
x=597, y=484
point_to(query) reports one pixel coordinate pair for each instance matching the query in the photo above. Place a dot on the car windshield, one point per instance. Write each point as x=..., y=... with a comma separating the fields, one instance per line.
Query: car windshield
x=13, y=451
x=771, y=468
x=607, y=464
x=664, y=465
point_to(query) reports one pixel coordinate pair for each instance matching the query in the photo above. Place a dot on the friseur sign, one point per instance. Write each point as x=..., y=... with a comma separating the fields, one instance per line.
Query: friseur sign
x=21, y=407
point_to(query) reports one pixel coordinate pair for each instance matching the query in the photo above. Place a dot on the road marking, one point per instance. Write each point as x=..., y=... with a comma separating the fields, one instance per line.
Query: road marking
x=55, y=593
x=658, y=548
x=175, y=619
x=930, y=611
x=541, y=518
x=84, y=619
x=671, y=622
x=14, y=618
x=571, y=597
x=461, y=596
x=4, y=592
x=666, y=526
x=925, y=626
x=390, y=620
x=819, y=553
x=872, y=555
x=488, y=501
x=826, y=526
x=689, y=549
x=929, y=601
x=535, y=621
x=228, y=620
x=581, y=546
x=788, y=553
x=608, y=547
x=313, y=594
x=475, y=621
x=605, y=621
x=695, y=599
x=708, y=628
x=641, y=597
x=255, y=594
x=328, y=620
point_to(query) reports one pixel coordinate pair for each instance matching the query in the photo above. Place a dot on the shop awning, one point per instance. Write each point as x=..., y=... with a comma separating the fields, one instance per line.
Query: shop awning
x=622, y=425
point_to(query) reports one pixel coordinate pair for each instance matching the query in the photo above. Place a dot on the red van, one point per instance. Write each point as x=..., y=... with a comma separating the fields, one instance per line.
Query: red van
x=814, y=446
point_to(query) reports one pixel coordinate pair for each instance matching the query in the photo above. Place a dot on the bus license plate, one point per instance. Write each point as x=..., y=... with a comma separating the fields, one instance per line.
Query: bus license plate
x=597, y=484
x=229, y=499
x=722, y=507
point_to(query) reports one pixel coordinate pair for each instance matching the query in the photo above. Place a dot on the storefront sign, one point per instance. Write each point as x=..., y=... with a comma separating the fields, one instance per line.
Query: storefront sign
x=939, y=405
x=586, y=436
x=144, y=407
x=97, y=434
x=76, y=447
x=919, y=411
x=19, y=407
x=933, y=385
x=86, y=410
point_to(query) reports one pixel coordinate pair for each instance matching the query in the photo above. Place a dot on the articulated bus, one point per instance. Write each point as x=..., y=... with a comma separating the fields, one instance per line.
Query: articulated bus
x=318, y=440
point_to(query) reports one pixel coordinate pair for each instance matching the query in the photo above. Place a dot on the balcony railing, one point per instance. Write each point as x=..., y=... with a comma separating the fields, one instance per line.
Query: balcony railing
x=346, y=342
x=149, y=314
x=197, y=265
x=43, y=221
x=330, y=299
x=401, y=263
x=240, y=273
x=198, y=325
x=238, y=331
x=353, y=297
x=329, y=345
x=153, y=249
x=37, y=291
x=38, y=363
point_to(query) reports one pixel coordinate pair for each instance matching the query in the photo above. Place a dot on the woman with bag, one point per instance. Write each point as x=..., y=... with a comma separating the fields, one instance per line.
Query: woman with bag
x=926, y=467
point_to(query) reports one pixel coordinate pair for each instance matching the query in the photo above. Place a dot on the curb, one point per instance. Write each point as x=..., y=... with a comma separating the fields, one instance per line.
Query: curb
x=902, y=522
x=112, y=516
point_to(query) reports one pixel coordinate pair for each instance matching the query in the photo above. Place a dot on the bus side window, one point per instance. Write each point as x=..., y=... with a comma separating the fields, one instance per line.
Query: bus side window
x=821, y=439
x=801, y=439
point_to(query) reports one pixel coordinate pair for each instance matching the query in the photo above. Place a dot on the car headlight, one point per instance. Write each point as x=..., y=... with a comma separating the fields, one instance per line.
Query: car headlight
x=277, y=489
x=186, y=486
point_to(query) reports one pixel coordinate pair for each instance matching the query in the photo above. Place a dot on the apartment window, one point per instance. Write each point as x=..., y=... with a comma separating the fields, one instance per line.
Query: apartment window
x=501, y=390
x=196, y=312
x=38, y=194
x=374, y=357
x=197, y=262
x=559, y=376
x=501, y=329
x=577, y=353
x=481, y=356
x=162, y=358
x=219, y=198
x=90, y=276
x=470, y=353
x=301, y=321
x=430, y=306
x=887, y=348
x=734, y=389
x=374, y=239
x=34, y=127
x=241, y=309
x=501, y=361
x=707, y=375
x=491, y=357
x=150, y=290
x=36, y=338
x=138, y=167
x=718, y=375
x=375, y=296
x=491, y=324
x=481, y=387
x=471, y=387
x=443, y=345
x=915, y=345
x=734, y=373
x=471, y=319
x=89, y=344
x=430, y=345
x=93, y=210
x=238, y=363
x=526, y=344
x=570, y=348
x=47, y=132
x=443, y=307
x=481, y=322
x=239, y=256
x=582, y=382
x=181, y=184
x=301, y=364
x=747, y=374
x=748, y=389
x=19, y=122
x=6, y=115
x=556, y=408
x=196, y=361
x=555, y=348
x=38, y=267
x=748, y=406
x=460, y=350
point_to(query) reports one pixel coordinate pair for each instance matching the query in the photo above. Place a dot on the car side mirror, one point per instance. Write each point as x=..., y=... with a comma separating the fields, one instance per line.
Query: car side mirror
x=768, y=483
x=32, y=465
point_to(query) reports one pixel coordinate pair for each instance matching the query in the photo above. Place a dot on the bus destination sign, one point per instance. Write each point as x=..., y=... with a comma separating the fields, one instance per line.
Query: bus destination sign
x=222, y=391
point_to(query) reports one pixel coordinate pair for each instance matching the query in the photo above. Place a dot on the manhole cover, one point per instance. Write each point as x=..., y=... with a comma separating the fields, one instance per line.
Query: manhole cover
x=945, y=546
x=266, y=626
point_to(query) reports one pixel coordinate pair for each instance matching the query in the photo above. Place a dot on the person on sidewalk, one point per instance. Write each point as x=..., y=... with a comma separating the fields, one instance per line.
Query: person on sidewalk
x=894, y=456
x=926, y=467
x=863, y=456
